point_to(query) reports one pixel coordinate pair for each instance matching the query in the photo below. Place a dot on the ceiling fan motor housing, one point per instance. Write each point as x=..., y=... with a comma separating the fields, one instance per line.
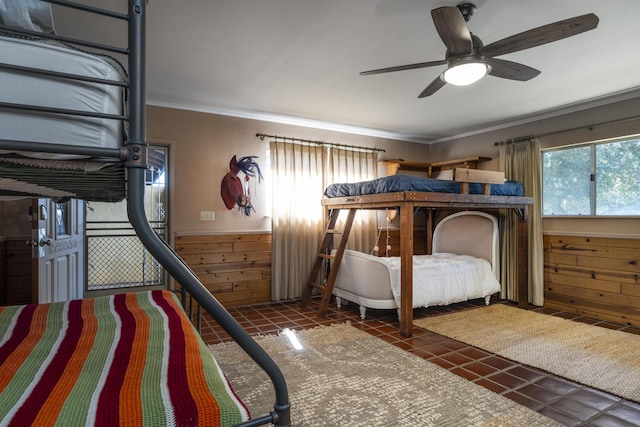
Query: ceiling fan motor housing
x=467, y=10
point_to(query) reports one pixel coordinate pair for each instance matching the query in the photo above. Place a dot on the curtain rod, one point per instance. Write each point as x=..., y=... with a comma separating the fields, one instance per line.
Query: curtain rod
x=588, y=127
x=262, y=136
x=512, y=140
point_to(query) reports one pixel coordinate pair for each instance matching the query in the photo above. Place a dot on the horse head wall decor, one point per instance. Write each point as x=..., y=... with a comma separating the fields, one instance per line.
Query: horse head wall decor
x=233, y=190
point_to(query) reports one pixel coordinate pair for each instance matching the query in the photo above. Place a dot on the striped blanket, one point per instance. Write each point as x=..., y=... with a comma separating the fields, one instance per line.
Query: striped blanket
x=128, y=360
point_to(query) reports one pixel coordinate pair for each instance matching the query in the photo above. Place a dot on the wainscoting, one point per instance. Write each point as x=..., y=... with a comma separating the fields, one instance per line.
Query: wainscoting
x=593, y=276
x=236, y=268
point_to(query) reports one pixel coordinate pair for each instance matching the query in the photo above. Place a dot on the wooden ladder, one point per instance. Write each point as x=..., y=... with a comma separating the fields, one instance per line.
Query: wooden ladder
x=325, y=255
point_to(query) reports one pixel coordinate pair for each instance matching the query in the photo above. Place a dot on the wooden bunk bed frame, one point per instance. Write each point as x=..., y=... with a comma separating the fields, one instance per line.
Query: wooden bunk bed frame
x=408, y=203
x=134, y=157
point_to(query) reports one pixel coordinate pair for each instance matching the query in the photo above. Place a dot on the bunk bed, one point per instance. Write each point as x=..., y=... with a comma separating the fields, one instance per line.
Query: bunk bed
x=468, y=189
x=73, y=126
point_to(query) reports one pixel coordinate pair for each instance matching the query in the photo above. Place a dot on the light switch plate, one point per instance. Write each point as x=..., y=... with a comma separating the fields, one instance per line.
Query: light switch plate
x=207, y=216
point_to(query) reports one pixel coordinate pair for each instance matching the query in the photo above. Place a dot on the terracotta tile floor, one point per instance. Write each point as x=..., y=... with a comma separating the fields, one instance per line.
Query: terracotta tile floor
x=569, y=403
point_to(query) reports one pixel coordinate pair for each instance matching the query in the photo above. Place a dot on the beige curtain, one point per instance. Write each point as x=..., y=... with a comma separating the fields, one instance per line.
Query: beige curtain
x=520, y=161
x=299, y=175
x=355, y=166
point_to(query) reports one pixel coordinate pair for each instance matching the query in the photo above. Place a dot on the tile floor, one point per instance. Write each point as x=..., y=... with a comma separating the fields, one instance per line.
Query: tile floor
x=567, y=402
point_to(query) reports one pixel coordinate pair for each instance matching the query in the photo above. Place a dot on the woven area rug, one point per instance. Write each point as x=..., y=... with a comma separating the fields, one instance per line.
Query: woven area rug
x=346, y=377
x=591, y=355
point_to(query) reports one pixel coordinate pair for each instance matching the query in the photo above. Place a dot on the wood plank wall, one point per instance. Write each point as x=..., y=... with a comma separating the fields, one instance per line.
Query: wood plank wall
x=17, y=276
x=3, y=272
x=419, y=242
x=598, y=277
x=235, y=268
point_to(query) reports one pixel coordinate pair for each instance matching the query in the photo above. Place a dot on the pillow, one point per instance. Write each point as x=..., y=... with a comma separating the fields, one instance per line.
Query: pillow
x=33, y=15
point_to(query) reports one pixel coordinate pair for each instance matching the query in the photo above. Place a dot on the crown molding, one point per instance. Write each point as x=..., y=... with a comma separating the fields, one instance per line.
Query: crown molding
x=293, y=121
x=551, y=113
x=377, y=133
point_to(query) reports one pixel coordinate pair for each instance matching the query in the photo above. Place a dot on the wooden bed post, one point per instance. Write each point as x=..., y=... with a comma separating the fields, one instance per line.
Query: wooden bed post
x=429, y=231
x=406, y=269
x=523, y=259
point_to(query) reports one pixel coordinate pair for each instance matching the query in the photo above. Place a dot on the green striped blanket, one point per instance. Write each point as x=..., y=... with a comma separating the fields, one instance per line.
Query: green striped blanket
x=124, y=360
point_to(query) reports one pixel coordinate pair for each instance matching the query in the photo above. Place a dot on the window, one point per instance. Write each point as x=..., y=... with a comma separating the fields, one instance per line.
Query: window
x=63, y=219
x=592, y=179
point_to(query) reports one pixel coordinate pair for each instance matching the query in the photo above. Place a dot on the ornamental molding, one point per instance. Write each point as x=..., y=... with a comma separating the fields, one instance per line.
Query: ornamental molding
x=63, y=245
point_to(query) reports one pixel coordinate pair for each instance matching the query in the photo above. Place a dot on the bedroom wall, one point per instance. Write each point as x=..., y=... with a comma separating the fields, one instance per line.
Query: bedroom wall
x=202, y=145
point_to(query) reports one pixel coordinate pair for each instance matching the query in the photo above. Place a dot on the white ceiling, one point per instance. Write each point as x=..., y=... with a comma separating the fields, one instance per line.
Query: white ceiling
x=297, y=61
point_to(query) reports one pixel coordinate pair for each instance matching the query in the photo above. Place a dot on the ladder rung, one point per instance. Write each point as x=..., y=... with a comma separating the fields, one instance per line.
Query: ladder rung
x=326, y=256
x=334, y=231
x=320, y=286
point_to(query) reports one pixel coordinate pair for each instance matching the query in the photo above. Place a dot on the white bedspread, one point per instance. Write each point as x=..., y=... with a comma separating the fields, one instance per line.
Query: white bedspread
x=443, y=278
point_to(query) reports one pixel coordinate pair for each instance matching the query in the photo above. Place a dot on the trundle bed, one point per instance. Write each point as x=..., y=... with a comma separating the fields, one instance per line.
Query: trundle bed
x=72, y=125
x=467, y=190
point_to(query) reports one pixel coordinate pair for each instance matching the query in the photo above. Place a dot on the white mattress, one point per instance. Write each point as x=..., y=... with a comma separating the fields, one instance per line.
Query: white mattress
x=444, y=278
x=59, y=93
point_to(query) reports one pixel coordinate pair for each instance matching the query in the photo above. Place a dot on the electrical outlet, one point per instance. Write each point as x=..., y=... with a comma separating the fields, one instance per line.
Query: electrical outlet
x=207, y=215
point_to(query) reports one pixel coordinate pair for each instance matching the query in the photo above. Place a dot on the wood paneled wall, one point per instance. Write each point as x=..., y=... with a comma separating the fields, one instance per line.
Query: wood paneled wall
x=3, y=272
x=419, y=242
x=594, y=276
x=236, y=268
x=17, y=275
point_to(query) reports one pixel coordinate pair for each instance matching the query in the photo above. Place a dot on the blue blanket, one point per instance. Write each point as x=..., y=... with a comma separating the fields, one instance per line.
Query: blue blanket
x=397, y=183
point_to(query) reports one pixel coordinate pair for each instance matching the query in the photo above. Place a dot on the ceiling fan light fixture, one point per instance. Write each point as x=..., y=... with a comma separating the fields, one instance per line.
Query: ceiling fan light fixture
x=466, y=73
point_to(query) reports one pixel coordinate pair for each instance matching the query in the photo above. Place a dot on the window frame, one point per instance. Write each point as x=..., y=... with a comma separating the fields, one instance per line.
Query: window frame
x=592, y=184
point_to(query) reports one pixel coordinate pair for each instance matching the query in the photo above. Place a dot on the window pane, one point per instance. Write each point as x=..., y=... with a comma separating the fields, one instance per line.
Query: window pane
x=618, y=178
x=566, y=182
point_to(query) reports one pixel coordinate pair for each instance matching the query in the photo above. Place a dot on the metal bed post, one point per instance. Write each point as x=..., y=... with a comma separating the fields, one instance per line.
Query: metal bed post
x=136, y=148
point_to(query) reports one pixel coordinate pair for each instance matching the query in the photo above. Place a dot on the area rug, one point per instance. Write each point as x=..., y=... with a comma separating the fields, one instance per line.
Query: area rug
x=591, y=355
x=345, y=377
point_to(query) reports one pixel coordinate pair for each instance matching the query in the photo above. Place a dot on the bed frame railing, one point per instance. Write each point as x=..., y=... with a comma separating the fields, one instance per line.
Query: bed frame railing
x=134, y=156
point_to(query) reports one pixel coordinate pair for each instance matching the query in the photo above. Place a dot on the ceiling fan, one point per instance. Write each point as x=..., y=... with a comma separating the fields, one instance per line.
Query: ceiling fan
x=468, y=60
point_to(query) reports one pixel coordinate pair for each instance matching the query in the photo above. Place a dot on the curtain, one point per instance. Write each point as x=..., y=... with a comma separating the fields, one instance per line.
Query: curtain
x=299, y=175
x=520, y=161
x=296, y=221
x=354, y=166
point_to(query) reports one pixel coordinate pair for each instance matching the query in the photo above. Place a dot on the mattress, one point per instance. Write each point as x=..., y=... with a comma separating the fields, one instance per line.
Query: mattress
x=445, y=278
x=32, y=89
x=398, y=183
x=130, y=359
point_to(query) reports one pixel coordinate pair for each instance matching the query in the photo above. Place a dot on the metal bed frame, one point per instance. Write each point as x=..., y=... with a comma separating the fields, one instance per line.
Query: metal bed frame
x=134, y=157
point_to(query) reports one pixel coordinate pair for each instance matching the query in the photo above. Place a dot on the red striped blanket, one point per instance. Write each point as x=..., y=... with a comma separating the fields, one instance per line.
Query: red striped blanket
x=127, y=360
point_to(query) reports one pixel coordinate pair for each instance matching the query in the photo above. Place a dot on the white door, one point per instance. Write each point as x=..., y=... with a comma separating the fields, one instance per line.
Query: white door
x=58, y=249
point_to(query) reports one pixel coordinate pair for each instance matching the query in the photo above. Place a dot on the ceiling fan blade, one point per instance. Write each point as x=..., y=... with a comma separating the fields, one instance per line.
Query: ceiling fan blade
x=541, y=35
x=510, y=70
x=453, y=30
x=433, y=87
x=403, y=67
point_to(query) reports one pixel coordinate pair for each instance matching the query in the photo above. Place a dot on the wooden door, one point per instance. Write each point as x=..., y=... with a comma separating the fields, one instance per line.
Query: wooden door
x=58, y=249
